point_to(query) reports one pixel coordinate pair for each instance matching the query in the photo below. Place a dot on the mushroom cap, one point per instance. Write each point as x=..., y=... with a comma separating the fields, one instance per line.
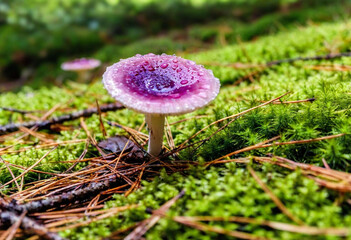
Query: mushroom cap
x=160, y=84
x=80, y=64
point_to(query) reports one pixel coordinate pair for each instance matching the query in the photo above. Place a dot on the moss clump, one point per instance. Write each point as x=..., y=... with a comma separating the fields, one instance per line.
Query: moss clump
x=225, y=191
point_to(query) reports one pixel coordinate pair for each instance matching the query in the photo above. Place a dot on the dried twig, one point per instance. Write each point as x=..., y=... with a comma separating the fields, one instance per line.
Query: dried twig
x=319, y=57
x=29, y=226
x=63, y=118
x=18, y=110
x=262, y=67
x=10, y=233
x=84, y=194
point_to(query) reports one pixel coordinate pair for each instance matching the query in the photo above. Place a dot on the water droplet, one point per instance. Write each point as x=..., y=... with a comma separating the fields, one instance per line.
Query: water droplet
x=151, y=68
x=183, y=82
x=175, y=60
x=179, y=70
x=164, y=65
x=146, y=63
x=175, y=66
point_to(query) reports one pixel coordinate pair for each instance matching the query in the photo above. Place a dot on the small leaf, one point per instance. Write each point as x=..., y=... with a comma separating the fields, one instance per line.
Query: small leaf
x=117, y=143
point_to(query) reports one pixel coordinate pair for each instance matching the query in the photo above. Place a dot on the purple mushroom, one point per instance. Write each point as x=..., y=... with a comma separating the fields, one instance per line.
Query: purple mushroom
x=158, y=86
x=81, y=66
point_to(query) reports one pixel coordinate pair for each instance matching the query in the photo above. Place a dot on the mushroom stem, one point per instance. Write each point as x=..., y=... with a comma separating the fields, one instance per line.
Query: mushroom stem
x=83, y=76
x=155, y=125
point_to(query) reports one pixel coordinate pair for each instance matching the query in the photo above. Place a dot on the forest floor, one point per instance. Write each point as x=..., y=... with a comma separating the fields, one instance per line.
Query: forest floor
x=269, y=158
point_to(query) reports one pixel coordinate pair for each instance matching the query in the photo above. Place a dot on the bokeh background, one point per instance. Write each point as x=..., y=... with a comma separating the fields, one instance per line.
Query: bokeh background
x=36, y=36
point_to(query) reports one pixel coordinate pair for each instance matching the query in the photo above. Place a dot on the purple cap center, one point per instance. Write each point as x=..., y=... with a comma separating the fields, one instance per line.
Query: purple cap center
x=156, y=83
x=165, y=78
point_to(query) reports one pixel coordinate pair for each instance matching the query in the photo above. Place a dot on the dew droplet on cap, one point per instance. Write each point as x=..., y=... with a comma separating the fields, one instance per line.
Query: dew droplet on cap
x=164, y=65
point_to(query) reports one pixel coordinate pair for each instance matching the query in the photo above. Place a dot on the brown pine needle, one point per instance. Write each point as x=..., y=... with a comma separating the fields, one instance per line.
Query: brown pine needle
x=310, y=100
x=145, y=225
x=85, y=151
x=249, y=76
x=51, y=111
x=308, y=230
x=10, y=171
x=31, y=167
x=42, y=215
x=187, y=119
x=208, y=228
x=47, y=145
x=169, y=136
x=325, y=164
x=111, y=212
x=131, y=131
x=93, y=202
x=135, y=184
x=121, y=154
x=102, y=127
x=329, y=68
x=257, y=146
x=40, y=136
x=233, y=116
x=115, y=190
x=90, y=137
x=274, y=198
x=237, y=65
x=329, y=178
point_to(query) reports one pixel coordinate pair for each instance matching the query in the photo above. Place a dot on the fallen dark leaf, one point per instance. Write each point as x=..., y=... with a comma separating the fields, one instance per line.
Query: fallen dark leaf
x=117, y=143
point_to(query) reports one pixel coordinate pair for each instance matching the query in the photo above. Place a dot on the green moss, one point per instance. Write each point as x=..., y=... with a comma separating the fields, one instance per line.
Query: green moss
x=227, y=190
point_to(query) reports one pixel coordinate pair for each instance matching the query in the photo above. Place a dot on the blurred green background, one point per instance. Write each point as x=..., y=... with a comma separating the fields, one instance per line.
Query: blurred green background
x=36, y=36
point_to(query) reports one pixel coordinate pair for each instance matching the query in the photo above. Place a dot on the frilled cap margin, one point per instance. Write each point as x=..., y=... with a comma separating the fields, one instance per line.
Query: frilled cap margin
x=160, y=84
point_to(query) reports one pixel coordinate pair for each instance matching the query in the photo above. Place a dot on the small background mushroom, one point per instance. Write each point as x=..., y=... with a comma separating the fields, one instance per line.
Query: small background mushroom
x=81, y=66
